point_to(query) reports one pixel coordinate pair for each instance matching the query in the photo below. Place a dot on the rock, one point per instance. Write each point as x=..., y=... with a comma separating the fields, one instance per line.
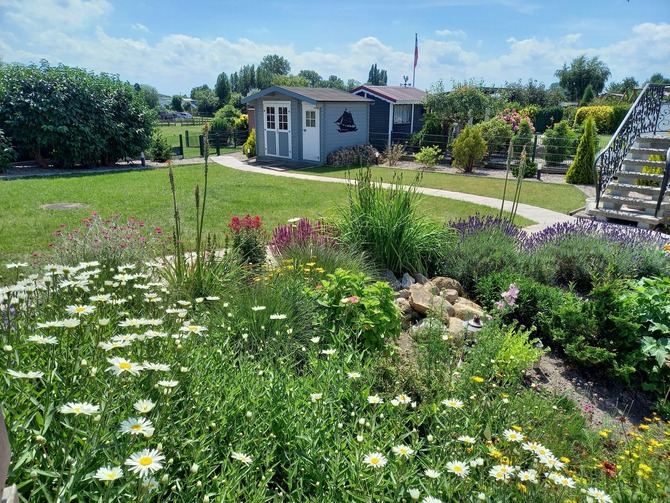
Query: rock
x=456, y=327
x=423, y=300
x=450, y=294
x=407, y=314
x=447, y=284
x=421, y=330
x=390, y=278
x=407, y=280
x=466, y=310
x=421, y=279
x=402, y=294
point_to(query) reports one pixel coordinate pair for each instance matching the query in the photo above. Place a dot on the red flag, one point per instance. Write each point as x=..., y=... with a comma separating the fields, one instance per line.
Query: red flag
x=416, y=50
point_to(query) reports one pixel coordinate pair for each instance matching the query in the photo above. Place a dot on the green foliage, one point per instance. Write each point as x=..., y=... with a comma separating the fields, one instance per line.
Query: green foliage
x=160, y=149
x=546, y=118
x=581, y=169
x=588, y=96
x=72, y=116
x=7, y=153
x=356, y=311
x=207, y=100
x=523, y=138
x=222, y=88
x=270, y=66
x=602, y=115
x=393, y=153
x=658, y=170
x=249, y=239
x=224, y=119
x=533, y=93
x=464, y=102
x=377, y=76
x=496, y=133
x=249, y=147
x=525, y=166
x=619, y=113
x=150, y=96
x=386, y=225
x=582, y=73
x=177, y=103
x=428, y=156
x=558, y=143
x=468, y=148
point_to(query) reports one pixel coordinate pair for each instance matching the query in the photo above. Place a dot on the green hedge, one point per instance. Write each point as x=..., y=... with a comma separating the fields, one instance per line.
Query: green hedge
x=602, y=115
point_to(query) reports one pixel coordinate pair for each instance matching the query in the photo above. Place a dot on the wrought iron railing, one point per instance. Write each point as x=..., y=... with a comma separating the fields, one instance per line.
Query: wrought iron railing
x=643, y=117
x=664, y=183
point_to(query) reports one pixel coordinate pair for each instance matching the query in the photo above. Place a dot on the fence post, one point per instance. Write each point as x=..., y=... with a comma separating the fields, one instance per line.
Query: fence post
x=534, y=148
x=186, y=134
x=9, y=494
x=181, y=146
x=201, y=141
x=217, y=144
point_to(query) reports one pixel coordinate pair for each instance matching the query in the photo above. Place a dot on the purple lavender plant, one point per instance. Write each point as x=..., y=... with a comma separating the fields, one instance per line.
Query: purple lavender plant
x=302, y=233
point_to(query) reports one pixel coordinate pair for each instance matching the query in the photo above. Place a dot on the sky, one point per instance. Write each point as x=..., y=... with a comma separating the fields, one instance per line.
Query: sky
x=175, y=46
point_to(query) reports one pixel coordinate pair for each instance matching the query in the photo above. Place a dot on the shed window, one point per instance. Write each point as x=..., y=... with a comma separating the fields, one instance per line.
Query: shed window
x=402, y=114
x=282, y=118
x=270, y=118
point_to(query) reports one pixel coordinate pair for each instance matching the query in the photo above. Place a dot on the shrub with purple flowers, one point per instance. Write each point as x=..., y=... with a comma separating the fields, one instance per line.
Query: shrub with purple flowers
x=302, y=233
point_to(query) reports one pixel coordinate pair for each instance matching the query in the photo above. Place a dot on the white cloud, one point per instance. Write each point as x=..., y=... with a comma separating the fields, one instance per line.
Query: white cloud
x=140, y=27
x=451, y=33
x=64, y=15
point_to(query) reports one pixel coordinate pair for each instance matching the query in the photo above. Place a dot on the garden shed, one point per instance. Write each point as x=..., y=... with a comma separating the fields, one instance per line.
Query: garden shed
x=396, y=114
x=305, y=124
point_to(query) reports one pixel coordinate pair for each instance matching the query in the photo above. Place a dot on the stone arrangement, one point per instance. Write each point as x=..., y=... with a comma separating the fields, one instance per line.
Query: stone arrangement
x=353, y=156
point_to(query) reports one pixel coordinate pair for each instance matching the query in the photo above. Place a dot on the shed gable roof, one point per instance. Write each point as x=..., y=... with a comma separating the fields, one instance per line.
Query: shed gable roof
x=311, y=95
x=399, y=95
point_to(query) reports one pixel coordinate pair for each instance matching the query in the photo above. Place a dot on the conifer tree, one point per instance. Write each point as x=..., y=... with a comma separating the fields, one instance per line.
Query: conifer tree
x=581, y=169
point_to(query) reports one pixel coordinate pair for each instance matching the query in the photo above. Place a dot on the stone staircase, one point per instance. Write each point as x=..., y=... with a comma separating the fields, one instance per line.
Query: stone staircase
x=627, y=200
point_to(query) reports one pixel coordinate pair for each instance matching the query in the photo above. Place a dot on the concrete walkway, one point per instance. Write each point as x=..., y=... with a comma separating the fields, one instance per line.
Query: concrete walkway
x=543, y=217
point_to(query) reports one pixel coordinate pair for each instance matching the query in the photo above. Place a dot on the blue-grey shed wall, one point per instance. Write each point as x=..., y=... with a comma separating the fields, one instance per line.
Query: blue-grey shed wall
x=330, y=133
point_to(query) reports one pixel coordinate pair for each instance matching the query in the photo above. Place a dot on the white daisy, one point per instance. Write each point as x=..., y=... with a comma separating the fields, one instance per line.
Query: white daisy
x=80, y=310
x=144, y=406
x=41, y=339
x=404, y=399
x=353, y=375
x=77, y=408
x=121, y=365
x=278, y=316
x=513, y=435
x=137, y=426
x=168, y=384
x=375, y=399
x=159, y=367
x=403, y=451
x=598, y=495
x=33, y=374
x=108, y=474
x=145, y=461
x=453, y=403
x=459, y=468
x=528, y=476
x=466, y=439
x=316, y=397
x=432, y=474
x=258, y=308
x=242, y=458
x=375, y=459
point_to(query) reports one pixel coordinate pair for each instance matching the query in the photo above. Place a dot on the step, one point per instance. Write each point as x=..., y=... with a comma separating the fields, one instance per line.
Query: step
x=631, y=201
x=647, y=151
x=648, y=221
x=654, y=141
x=624, y=188
x=638, y=175
x=643, y=162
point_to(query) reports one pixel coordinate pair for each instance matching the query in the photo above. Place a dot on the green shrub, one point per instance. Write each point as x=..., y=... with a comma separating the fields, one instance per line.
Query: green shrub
x=602, y=115
x=468, y=148
x=588, y=96
x=496, y=133
x=618, y=115
x=523, y=138
x=160, y=149
x=7, y=154
x=558, y=143
x=387, y=226
x=658, y=170
x=249, y=147
x=533, y=303
x=393, y=153
x=356, y=311
x=529, y=168
x=428, y=156
x=249, y=240
x=546, y=118
x=581, y=169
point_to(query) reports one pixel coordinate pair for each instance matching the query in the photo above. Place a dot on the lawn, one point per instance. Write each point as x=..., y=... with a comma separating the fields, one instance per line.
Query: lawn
x=556, y=197
x=26, y=228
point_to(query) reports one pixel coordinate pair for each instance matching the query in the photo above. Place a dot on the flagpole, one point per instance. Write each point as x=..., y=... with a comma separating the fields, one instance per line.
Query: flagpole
x=416, y=57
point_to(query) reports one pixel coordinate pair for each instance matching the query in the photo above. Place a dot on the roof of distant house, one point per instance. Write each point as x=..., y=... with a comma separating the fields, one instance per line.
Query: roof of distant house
x=399, y=95
x=309, y=94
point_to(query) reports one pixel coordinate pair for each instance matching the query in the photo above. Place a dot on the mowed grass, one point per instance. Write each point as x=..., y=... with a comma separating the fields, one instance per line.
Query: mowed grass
x=555, y=197
x=26, y=227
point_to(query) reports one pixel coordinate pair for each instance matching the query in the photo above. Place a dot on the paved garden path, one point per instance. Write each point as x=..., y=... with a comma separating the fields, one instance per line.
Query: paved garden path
x=543, y=217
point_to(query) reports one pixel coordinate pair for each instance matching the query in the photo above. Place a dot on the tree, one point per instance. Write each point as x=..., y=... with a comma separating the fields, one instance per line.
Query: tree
x=196, y=89
x=582, y=72
x=626, y=86
x=658, y=78
x=334, y=82
x=206, y=100
x=532, y=93
x=587, y=97
x=247, y=80
x=150, y=95
x=581, y=169
x=289, y=81
x=176, y=103
x=352, y=84
x=463, y=103
x=312, y=77
x=377, y=77
x=222, y=88
x=71, y=115
x=270, y=66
